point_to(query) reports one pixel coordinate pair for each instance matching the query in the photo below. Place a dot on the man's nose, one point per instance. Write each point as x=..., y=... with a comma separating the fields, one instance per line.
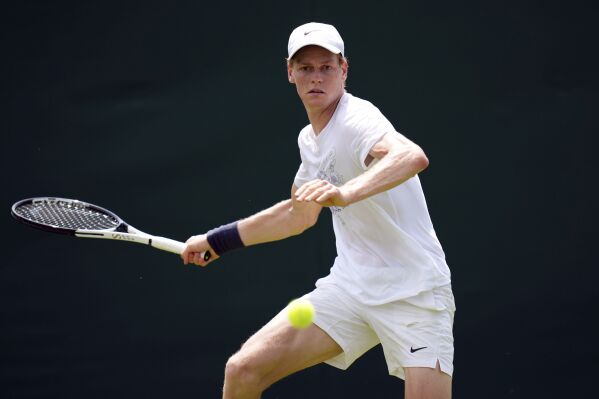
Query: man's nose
x=316, y=77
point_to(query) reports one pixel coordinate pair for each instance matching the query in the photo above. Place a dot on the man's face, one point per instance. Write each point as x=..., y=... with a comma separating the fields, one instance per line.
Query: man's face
x=318, y=76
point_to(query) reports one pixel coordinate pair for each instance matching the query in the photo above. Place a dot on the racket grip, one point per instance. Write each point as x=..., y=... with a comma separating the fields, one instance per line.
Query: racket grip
x=166, y=244
x=176, y=247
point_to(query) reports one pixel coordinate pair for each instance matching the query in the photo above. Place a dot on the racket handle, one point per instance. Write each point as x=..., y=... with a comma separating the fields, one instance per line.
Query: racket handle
x=166, y=244
x=176, y=247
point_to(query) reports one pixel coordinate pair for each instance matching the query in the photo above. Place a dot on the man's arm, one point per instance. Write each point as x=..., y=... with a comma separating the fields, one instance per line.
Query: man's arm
x=282, y=220
x=399, y=160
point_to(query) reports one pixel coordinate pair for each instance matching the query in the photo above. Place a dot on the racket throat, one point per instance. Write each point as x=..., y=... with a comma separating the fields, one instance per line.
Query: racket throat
x=122, y=228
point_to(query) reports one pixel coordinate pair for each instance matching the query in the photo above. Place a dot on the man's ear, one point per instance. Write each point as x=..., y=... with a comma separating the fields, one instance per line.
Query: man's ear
x=290, y=76
x=344, y=68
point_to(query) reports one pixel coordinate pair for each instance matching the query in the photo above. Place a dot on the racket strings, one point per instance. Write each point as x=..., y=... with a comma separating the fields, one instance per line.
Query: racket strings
x=67, y=215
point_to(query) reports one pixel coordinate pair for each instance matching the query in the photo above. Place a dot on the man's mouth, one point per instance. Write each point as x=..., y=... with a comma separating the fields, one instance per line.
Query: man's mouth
x=317, y=91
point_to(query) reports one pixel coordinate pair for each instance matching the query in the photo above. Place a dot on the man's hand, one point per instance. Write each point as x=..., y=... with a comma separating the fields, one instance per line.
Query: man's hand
x=323, y=193
x=195, y=249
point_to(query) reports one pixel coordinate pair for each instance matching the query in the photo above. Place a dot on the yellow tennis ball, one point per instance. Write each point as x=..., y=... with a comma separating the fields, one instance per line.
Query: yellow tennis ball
x=300, y=313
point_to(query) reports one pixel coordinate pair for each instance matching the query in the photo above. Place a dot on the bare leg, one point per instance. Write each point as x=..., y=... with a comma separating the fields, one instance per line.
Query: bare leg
x=427, y=383
x=274, y=352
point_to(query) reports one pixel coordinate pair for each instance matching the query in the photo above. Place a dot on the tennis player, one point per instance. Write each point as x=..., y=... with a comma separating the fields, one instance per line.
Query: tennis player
x=389, y=283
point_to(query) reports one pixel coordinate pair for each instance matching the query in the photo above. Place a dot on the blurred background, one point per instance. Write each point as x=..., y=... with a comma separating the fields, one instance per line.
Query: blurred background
x=178, y=117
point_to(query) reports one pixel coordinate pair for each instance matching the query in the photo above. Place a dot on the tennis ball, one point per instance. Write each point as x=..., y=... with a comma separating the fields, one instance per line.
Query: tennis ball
x=300, y=313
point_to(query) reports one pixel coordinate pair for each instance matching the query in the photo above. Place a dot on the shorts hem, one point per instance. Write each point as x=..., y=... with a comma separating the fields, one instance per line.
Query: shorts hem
x=399, y=372
x=343, y=360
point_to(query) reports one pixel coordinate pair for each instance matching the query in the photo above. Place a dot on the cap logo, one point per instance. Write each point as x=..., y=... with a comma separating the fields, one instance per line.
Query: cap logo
x=310, y=31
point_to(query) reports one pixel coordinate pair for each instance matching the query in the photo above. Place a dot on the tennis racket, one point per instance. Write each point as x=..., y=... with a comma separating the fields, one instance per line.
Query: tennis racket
x=82, y=219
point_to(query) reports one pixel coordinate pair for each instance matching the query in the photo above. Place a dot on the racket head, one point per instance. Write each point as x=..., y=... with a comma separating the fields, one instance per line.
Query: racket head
x=64, y=215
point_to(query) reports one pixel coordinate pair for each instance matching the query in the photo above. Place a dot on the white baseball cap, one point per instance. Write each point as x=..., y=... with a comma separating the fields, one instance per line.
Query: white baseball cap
x=316, y=34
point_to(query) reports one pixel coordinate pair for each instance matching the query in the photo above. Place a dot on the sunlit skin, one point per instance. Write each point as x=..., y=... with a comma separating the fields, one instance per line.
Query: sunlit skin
x=319, y=77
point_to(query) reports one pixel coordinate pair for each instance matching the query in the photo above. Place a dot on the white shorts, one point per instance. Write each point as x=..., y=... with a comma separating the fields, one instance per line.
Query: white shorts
x=411, y=336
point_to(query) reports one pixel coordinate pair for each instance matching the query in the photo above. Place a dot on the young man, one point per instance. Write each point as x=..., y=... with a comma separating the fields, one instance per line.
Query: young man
x=390, y=283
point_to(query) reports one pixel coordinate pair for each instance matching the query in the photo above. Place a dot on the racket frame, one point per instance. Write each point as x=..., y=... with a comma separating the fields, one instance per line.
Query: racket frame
x=122, y=232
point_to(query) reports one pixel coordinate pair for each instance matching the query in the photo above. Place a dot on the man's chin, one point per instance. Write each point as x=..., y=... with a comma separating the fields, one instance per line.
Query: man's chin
x=315, y=99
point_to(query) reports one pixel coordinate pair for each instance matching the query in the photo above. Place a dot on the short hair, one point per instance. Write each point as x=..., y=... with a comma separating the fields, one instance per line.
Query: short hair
x=340, y=58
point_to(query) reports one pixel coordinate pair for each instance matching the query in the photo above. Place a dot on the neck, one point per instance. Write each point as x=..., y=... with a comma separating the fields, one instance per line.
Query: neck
x=320, y=117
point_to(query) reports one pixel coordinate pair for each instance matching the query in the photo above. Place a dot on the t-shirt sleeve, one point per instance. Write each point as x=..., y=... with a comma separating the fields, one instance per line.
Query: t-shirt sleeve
x=366, y=129
x=303, y=172
x=301, y=177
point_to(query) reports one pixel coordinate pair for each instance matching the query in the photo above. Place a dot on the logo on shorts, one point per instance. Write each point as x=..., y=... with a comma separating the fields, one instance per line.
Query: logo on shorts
x=412, y=350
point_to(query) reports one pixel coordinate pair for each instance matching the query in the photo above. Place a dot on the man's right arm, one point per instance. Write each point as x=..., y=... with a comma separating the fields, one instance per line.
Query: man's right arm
x=282, y=220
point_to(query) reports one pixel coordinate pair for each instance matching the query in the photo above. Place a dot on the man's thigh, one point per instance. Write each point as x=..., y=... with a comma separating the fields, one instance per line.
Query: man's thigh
x=427, y=383
x=278, y=349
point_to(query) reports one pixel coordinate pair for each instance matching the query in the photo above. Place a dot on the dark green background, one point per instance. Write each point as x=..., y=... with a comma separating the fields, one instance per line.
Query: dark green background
x=178, y=116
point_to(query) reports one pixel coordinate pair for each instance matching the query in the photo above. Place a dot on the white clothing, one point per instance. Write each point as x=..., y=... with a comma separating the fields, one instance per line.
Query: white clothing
x=387, y=249
x=411, y=336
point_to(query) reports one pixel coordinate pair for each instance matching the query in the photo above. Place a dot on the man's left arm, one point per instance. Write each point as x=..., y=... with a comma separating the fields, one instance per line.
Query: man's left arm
x=399, y=159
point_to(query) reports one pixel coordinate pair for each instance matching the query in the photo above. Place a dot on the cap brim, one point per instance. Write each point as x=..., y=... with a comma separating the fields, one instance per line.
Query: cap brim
x=332, y=49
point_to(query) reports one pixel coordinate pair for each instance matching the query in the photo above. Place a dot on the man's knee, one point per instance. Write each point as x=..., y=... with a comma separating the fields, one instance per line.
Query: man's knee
x=242, y=373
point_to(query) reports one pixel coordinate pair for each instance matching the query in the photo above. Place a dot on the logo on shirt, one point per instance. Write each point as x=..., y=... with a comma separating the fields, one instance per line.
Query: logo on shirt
x=326, y=171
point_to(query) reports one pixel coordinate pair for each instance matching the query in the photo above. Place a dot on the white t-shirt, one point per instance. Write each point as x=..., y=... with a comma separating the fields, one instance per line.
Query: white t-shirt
x=387, y=248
